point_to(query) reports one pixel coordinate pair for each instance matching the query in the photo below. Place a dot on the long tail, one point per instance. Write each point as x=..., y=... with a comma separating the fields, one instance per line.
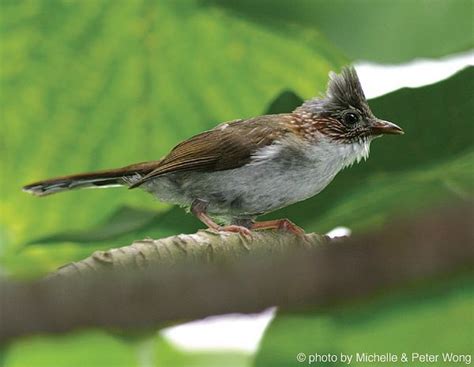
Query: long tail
x=124, y=176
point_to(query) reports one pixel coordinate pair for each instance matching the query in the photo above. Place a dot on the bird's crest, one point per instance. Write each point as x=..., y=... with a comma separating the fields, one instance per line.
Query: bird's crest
x=343, y=91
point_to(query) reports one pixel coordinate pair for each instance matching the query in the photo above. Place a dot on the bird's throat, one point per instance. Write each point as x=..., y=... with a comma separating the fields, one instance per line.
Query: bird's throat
x=337, y=155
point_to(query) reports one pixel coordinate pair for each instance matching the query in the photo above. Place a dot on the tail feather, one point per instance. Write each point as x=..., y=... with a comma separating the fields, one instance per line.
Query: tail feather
x=43, y=188
x=109, y=178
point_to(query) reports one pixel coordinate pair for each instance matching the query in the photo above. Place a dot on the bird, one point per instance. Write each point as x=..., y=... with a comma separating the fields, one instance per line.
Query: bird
x=244, y=168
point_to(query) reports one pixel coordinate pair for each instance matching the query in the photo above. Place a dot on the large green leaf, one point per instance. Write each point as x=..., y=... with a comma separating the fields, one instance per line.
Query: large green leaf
x=384, y=31
x=432, y=319
x=96, y=84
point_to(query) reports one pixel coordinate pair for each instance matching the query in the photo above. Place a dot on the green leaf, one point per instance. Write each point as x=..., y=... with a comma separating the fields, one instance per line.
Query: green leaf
x=434, y=318
x=124, y=220
x=286, y=101
x=97, y=348
x=168, y=355
x=92, y=348
x=99, y=84
x=383, y=31
x=430, y=165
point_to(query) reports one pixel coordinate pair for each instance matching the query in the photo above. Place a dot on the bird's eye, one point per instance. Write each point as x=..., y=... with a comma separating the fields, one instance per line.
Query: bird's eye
x=351, y=118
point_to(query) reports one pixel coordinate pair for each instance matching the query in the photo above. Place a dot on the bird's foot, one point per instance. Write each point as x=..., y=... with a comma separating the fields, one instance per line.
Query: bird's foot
x=280, y=224
x=198, y=208
x=288, y=226
x=234, y=229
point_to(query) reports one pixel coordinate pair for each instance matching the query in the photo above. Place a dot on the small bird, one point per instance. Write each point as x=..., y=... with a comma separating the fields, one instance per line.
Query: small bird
x=248, y=167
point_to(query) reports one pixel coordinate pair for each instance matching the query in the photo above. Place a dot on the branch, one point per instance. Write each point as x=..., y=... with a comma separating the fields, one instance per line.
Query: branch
x=202, y=247
x=282, y=271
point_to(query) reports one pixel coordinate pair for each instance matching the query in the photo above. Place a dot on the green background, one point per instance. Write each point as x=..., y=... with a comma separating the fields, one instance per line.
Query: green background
x=96, y=84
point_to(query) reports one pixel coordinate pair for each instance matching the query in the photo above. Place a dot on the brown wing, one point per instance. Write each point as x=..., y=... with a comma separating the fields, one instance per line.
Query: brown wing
x=229, y=145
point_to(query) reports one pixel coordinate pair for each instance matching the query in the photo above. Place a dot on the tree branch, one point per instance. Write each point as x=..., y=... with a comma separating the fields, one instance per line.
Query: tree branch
x=272, y=269
x=202, y=247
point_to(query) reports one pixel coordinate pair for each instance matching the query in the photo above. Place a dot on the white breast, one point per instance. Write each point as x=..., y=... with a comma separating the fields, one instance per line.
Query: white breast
x=270, y=182
x=338, y=155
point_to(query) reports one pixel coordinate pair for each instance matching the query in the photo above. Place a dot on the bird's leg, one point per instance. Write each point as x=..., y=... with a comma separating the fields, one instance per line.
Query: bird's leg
x=282, y=224
x=199, y=207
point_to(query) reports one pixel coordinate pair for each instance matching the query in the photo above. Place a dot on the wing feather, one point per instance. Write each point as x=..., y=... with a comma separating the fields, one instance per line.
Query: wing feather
x=227, y=146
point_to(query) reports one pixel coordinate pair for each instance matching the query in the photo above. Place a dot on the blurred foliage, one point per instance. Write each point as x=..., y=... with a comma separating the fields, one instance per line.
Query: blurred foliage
x=74, y=350
x=167, y=355
x=95, y=84
x=375, y=30
x=431, y=319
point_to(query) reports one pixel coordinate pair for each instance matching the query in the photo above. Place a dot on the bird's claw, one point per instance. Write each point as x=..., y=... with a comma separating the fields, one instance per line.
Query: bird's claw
x=288, y=226
x=235, y=229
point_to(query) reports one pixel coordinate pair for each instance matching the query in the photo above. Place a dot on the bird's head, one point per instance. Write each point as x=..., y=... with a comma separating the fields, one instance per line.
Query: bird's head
x=343, y=113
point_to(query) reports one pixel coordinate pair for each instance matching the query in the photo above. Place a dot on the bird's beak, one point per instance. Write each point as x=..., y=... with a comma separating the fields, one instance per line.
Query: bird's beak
x=380, y=127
